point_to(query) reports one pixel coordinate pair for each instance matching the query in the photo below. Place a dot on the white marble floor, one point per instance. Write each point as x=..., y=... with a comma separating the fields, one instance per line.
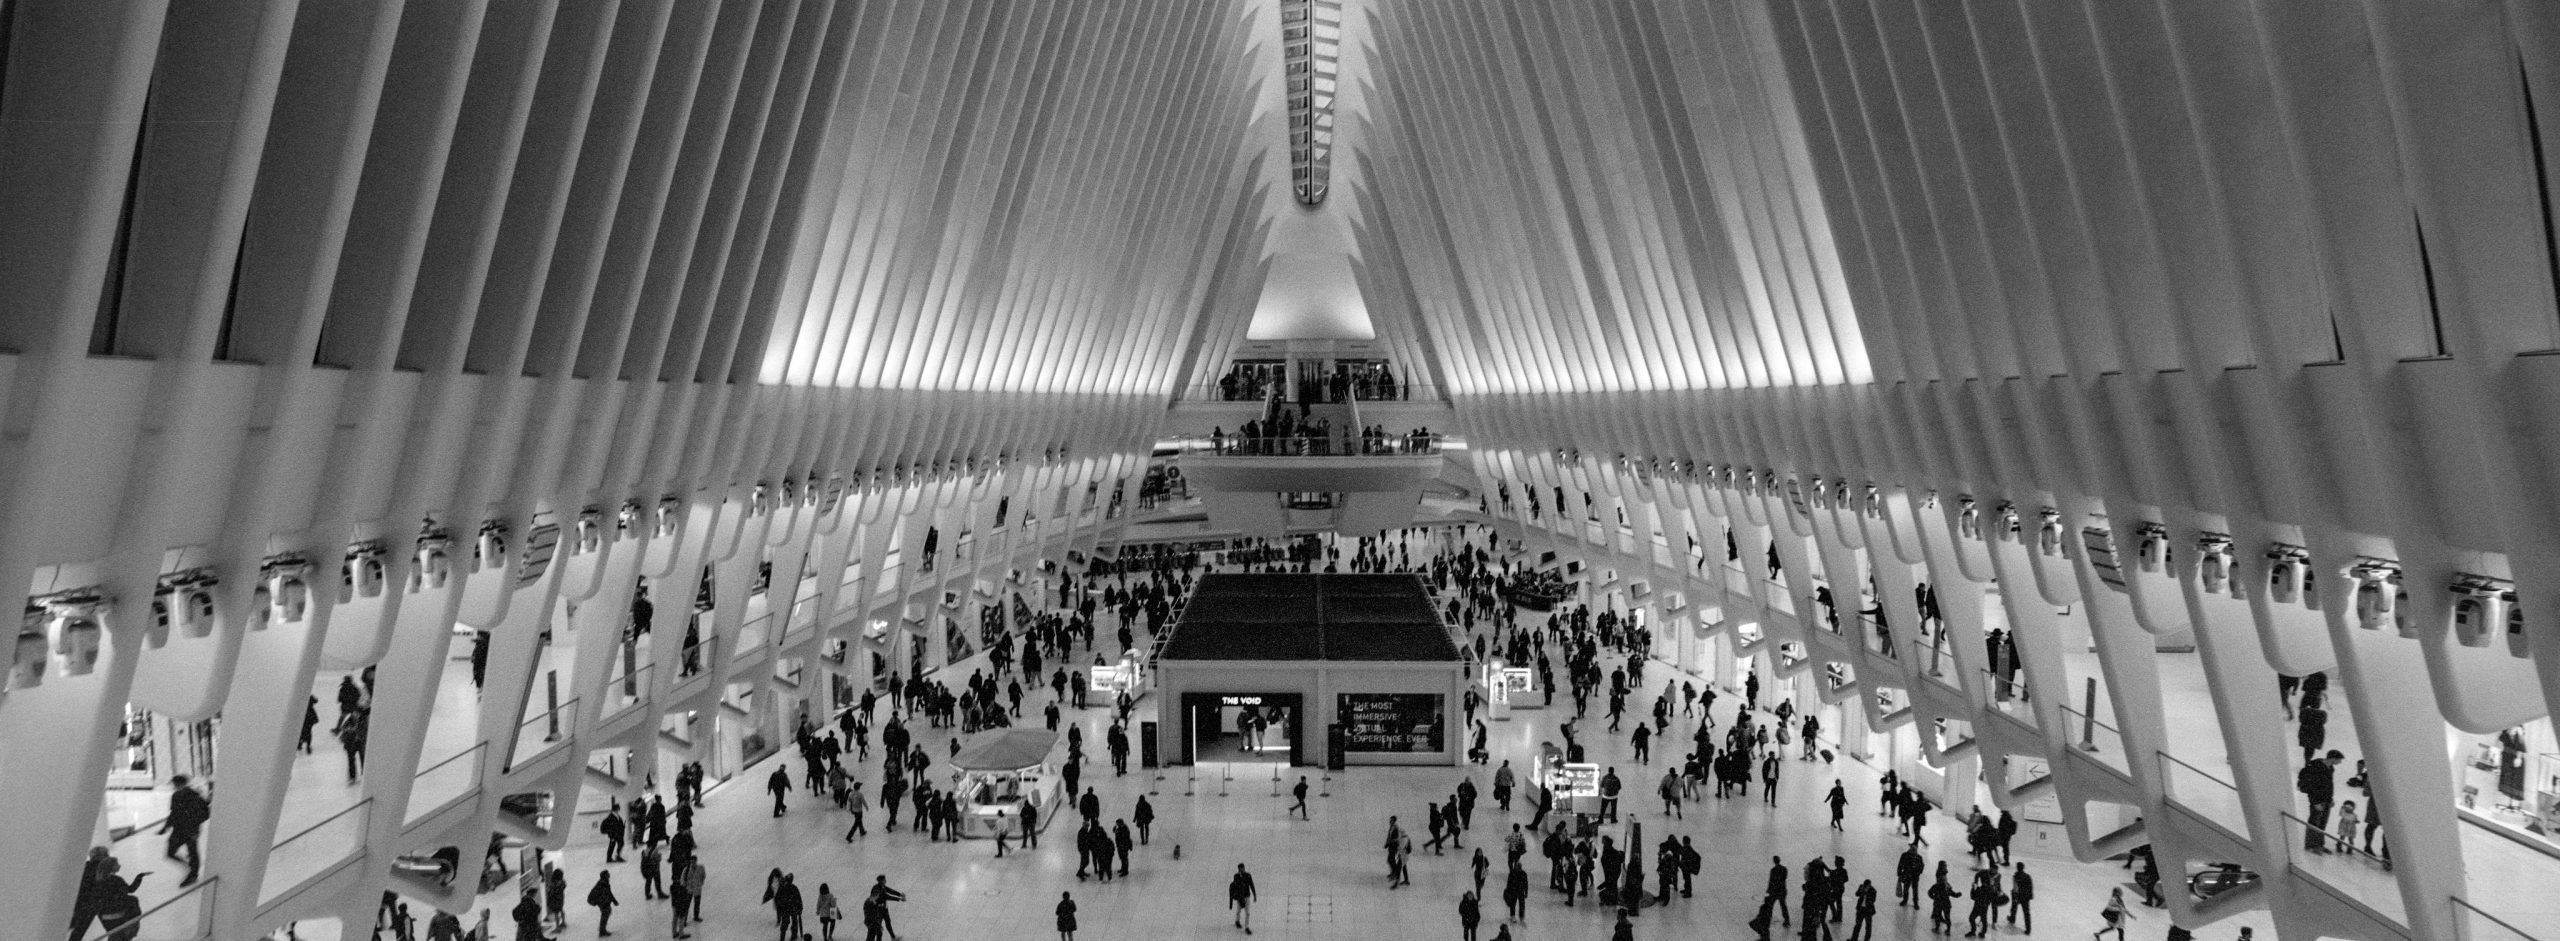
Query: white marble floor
x=1322, y=878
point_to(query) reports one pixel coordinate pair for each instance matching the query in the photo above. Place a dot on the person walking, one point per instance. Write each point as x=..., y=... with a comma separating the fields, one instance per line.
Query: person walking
x=1469, y=913
x=788, y=908
x=1300, y=792
x=1479, y=865
x=1066, y=916
x=1144, y=815
x=1121, y=844
x=2022, y=895
x=881, y=896
x=613, y=829
x=2114, y=914
x=779, y=784
x=1503, y=780
x=1839, y=801
x=1864, y=928
x=188, y=811
x=1769, y=779
x=829, y=912
x=1942, y=903
x=1515, y=893
x=1241, y=896
x=1776, y=899
x=681, y=899
x=601, y=896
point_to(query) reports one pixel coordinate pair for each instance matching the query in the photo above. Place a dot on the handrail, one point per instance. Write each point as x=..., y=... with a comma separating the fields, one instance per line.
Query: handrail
x=2227, y=815
x=152, y=926
x=1346, y=444
x=2007, y=695
x=2380, y=892
x=2462, y=905
x=519, y=755
x=418, y=787
x=324, y=821
x=289, y=868
x=2090, y=727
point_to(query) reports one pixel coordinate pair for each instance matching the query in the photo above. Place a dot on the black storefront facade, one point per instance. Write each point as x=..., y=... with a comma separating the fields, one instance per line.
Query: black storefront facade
x=1364, y=655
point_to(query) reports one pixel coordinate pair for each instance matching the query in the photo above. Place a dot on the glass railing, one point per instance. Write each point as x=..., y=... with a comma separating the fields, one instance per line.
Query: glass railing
x=696, y=655
x=186, y=916
x=753, y=634
x=629, y=683
x=2008, y=694
x=306, y=855
x=1934, y=659
x=2472, y=924
x=1391, y=445
x=541, y=731
x=2097, y=738
x=1879, y=640
x=1790, y=654
x=2208, y=795
x=1254, y=392
x=2344, y=870
x=439, y=785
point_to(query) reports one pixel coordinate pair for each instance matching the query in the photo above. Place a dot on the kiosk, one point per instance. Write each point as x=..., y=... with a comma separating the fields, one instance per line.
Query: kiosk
x=1110, y=680
x=1508, y=687
x=1001, y=771
x=1259, y=667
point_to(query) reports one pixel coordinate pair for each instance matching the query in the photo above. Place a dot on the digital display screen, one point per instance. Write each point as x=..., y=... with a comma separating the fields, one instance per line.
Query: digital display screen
x=1393, y=722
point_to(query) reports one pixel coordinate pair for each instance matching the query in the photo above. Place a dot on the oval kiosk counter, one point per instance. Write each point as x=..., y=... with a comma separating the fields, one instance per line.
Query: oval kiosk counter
x=1001, y=771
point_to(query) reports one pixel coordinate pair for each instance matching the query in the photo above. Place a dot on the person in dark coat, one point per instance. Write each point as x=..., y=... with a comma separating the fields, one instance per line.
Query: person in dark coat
x=188, y=811
x=1066, y=916
x=1241, y=896
x=602, y=897
x=1469, y=913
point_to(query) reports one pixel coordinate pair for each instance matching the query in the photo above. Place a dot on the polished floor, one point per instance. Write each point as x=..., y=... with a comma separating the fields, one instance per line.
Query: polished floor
x=1321, y=878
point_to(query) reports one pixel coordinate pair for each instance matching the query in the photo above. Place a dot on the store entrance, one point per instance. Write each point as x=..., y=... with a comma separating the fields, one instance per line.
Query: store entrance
x=1243, y=727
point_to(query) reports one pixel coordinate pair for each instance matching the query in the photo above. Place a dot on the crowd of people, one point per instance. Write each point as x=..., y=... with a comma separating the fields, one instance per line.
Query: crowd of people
x=1727, y=740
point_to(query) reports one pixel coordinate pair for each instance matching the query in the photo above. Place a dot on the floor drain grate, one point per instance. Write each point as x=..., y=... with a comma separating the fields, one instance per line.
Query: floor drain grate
x=1312, y=909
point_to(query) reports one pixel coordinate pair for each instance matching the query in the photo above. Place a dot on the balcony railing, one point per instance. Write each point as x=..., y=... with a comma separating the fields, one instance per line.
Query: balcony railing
x=186, y=916
x=2098, y=739
x=2206, y=794
x=314, y=850
x=2346, y=871
x=439, y=785
x=541, y=731
x=1879, y=640
x=628, y=686
x=2476, y=925
x=2008, y=694
x=1393, y=445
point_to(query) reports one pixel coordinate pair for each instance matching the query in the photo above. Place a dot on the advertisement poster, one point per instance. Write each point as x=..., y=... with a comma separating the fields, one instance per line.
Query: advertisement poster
x=1392, y=722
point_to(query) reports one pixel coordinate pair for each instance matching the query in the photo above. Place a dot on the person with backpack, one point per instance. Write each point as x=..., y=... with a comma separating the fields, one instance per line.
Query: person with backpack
x=601, y=896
